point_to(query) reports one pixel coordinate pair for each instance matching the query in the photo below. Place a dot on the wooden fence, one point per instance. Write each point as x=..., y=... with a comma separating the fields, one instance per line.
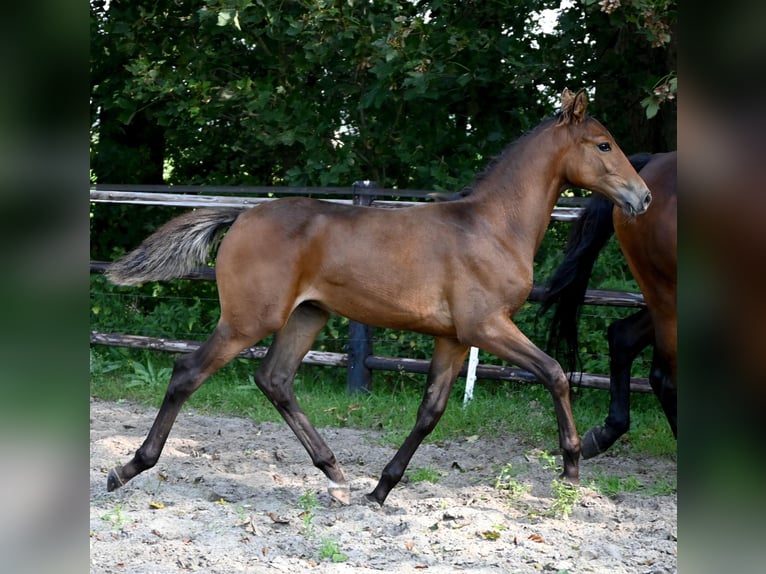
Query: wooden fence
x=360, y=360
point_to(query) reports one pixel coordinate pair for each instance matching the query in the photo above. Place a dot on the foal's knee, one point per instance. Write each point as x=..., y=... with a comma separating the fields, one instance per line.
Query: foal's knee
x=557, y=381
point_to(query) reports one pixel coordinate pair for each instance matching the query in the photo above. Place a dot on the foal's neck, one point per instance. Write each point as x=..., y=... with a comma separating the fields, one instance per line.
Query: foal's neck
x=521, y=189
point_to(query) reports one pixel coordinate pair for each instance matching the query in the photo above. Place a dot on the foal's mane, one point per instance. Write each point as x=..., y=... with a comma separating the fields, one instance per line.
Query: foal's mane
x=493, y=162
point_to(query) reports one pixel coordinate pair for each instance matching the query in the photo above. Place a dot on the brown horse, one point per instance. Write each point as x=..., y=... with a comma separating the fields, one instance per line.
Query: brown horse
x=456, y=270
x=649, y=246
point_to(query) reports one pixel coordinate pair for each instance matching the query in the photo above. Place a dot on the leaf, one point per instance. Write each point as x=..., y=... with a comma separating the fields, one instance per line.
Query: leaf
x=490, y=534
x=278, y=519
x=536, y=538
x=156, y=505
x=224, y=17
x=652, y=106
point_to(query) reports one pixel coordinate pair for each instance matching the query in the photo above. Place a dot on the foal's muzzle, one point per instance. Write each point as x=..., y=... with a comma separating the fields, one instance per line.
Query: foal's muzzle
x=637, y=203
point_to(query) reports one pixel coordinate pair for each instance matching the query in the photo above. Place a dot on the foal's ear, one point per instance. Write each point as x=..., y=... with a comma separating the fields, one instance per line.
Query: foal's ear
x=579, y=106
x=572, y=106
x=567, y=99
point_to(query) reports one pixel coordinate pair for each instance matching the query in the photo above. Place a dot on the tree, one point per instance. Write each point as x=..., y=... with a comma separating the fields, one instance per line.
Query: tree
x=416, y=94
x=626, y=50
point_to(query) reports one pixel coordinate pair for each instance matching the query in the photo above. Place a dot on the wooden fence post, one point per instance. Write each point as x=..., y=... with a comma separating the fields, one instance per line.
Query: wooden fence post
x=359, y=376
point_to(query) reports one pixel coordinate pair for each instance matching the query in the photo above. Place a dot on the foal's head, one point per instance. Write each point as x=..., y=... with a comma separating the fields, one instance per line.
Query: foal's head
x=594, y=161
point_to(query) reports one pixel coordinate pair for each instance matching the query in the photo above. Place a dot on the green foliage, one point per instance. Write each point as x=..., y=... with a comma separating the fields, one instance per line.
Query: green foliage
x=507, y=482
x=548, y=461
x=116, y=517
x=308, y=503
x=611, y=485
x=424, y=474
x=179, y=309
x=148, y=375
x=329, y=548
x=565, y=496
x=315, y=93
x=411, y=94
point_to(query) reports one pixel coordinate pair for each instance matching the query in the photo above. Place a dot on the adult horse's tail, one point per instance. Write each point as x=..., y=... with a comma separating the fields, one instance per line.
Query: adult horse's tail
x=565, y=291
x=175, y=249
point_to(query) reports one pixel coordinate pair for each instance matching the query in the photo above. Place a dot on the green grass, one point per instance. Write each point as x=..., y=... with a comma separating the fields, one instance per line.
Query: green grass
x=424, y=474
x=498, y=408
x=611, y=485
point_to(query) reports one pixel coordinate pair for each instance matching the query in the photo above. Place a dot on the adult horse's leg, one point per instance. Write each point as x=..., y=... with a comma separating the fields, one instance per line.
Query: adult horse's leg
x=667, y=360
x=662, y=381
x=275, y=378
x=448, y=358
x=627, y=338
x=189, y=372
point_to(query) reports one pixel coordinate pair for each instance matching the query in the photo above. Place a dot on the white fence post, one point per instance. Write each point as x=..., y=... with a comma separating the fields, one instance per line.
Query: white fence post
x=470, y=379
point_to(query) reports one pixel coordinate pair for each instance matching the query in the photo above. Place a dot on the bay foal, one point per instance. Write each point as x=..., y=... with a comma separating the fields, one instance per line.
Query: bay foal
x=456, y=270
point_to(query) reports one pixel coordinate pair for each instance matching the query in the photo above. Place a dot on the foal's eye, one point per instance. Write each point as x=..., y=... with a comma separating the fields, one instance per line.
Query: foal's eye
x=605, y=146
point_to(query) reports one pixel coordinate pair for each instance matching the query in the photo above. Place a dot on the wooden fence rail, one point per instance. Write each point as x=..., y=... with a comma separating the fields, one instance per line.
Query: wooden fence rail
x=360, y=360
x=372, y=362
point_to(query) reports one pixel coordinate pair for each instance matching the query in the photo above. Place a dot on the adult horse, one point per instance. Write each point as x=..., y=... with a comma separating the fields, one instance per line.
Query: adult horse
x=456, y=270
x=649, y=246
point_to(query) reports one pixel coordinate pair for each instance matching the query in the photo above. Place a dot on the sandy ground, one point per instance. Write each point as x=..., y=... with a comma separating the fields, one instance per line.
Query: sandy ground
x=229, y=496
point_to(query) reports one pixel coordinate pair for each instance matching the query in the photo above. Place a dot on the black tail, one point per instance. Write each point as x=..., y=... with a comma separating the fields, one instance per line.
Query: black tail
x=639, y=160
x=565, y=291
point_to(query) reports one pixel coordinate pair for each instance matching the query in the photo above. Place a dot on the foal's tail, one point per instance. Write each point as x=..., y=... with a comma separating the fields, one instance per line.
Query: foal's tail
x=175, y=249
x=565, y=292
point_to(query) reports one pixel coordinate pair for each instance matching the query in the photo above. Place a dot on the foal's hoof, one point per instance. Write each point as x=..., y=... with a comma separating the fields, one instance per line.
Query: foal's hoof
x=340, y=492
x=589, y=446
x=113, y=480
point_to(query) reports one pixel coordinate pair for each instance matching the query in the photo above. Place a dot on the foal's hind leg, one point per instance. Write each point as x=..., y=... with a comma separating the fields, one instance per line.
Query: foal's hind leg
x=627, y=338
x=447, y=360
x=275, y=378
x=189, y=373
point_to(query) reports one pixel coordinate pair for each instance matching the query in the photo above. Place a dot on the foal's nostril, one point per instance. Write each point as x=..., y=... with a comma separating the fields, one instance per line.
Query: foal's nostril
x=647, y=200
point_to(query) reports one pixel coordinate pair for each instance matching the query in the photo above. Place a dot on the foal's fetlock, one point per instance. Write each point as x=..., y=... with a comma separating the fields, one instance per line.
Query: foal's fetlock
x=572, y=476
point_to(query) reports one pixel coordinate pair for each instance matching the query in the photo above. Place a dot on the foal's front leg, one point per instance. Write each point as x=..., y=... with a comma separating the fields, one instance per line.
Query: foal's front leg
x=499, y=335
x=449, y=356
